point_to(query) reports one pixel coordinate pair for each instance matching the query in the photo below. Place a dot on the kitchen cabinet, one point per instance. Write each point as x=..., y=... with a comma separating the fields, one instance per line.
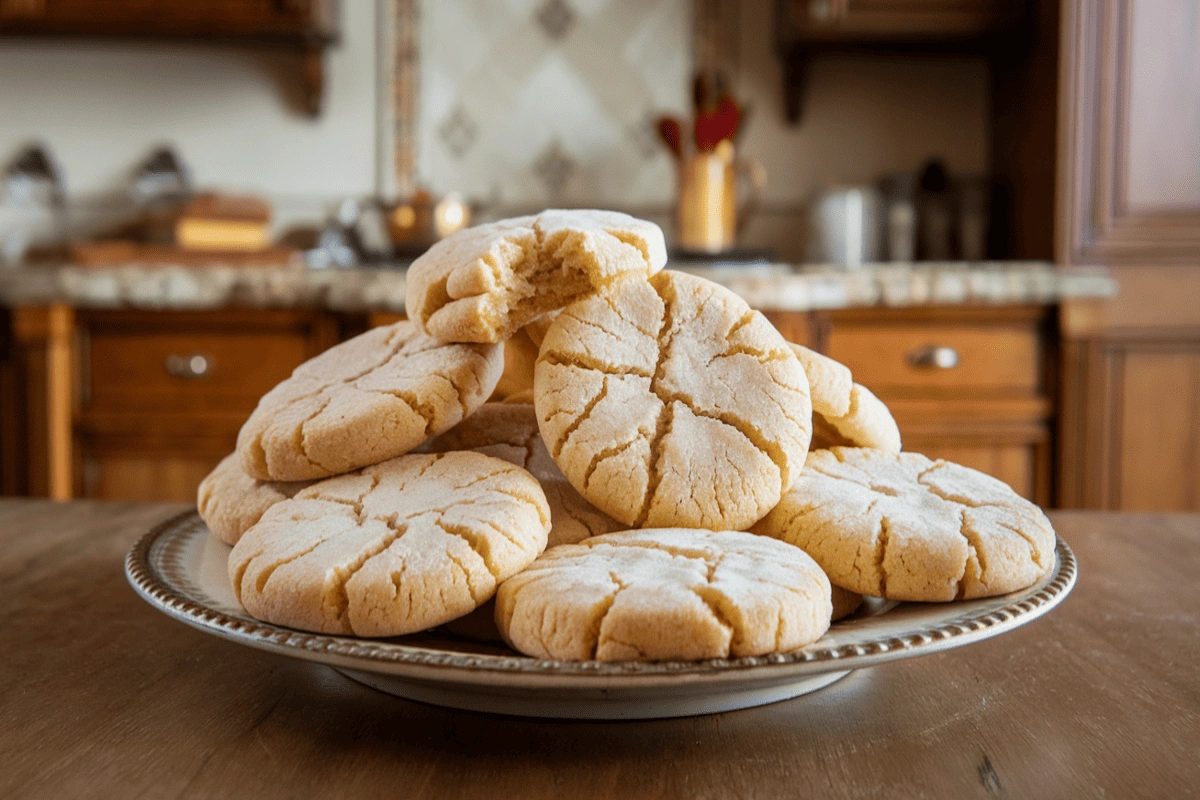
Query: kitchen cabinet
x=11, y=391
x=971, y=384
x=304, y=27
x=806, y=27
x=1129, y=198
x=152, y=400
x=149, y=401
x=162, y=396
x=880, y=21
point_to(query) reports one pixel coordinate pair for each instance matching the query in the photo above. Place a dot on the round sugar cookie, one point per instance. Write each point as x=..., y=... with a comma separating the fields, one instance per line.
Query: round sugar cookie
x=230, y=501
x=395, y=548
x=670, y=403
x=364, y=401
x=665, y=594
x=900, y=526
x=510, y=431
x=867, y=423
x=483, y=283
x=829, y=382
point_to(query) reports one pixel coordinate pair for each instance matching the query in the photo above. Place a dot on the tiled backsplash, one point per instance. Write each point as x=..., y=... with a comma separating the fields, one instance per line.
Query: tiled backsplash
x=543, y=102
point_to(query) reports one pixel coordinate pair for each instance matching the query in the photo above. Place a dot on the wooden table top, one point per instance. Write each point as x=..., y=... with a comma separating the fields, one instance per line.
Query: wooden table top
x=102, y=696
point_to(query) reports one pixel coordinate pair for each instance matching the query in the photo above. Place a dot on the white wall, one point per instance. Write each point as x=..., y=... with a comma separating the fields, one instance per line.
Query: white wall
x=102, y=107
x=865, y=117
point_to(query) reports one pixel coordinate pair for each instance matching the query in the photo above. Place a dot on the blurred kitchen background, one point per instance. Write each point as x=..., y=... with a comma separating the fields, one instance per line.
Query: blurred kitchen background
x=989, y=209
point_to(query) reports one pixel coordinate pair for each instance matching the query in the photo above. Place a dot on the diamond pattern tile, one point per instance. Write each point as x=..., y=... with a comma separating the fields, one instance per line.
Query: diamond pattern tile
x=556, y=18
x=529, y=102
x=554, y=166
x=458, y=132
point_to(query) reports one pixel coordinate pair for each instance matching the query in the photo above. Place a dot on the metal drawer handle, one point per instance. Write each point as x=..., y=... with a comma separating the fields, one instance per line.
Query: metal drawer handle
x=934, y=356
x=194, y=366
x=828, y=10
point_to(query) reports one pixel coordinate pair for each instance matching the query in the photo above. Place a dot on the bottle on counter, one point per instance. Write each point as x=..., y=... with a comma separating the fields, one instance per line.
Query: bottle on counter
x=935, y=213
x=901, y=231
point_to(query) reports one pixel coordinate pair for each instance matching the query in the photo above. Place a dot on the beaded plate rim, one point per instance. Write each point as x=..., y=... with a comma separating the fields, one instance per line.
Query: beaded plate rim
x=168, y=594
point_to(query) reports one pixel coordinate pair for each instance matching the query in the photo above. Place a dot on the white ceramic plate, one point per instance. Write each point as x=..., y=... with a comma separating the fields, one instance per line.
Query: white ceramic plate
x=179, y=568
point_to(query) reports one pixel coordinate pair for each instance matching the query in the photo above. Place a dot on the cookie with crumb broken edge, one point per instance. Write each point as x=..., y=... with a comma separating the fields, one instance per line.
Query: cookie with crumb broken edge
x=671, y=403
x=230, y=501
x=483, y=283
x=901, y=526
x=867, y=423
x=366, y=400
x=395, y=548
x=665, y=594
x=510, y=431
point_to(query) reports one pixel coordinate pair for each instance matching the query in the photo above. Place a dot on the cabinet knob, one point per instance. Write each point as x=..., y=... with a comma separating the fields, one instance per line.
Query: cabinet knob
x=193, y=366
x=828, y=10
x=934, y=356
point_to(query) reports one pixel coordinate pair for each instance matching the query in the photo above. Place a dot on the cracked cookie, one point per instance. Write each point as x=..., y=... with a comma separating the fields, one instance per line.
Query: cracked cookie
x=901, y=526
x=867, y=423
x=670, y=403
x=829, y=382
x=665, y=594
x=230, y=501
x=395, y=548
x=371, y=398
x=483, y=283
x=510, y=431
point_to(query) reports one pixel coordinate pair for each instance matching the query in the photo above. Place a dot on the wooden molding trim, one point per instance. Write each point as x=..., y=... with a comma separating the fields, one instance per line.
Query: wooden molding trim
x=404, y=88
x=60, y=400
x=1095, y=223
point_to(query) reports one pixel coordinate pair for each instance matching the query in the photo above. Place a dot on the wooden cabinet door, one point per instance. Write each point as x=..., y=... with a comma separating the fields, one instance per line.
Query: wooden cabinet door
x=1129, y=198
x=1131, y=421
x=987, y=405
x=1130, y=186
x=161, y=395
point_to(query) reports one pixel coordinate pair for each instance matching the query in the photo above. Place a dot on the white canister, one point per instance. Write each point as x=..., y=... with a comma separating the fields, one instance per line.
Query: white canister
x=847, y=226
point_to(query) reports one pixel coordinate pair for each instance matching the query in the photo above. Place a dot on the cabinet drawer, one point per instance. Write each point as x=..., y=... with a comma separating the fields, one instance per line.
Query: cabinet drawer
x=177, y=371
x=896, y=359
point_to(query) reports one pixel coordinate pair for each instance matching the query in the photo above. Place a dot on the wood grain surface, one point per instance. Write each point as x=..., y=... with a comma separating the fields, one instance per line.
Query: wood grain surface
x=102, y=696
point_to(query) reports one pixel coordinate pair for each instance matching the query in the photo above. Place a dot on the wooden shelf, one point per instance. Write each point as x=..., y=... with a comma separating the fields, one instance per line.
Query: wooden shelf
x=304, y=27
x=804, y=28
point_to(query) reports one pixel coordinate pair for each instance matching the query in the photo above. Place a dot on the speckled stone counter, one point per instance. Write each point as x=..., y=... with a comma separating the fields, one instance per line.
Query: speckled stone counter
x=774, y=287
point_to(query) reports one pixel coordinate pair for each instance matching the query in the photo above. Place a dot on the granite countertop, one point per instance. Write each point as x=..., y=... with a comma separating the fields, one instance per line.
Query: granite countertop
x=768, y=287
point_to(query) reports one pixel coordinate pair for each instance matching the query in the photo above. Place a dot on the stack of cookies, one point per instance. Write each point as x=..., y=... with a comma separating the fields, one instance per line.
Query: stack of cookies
x=658, y=473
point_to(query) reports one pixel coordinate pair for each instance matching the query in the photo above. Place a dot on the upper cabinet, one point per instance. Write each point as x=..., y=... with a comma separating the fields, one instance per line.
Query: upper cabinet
x=1131, y=140
x=803, y=27
x=890, y=21
x=1129, y=198
x=304, y=27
